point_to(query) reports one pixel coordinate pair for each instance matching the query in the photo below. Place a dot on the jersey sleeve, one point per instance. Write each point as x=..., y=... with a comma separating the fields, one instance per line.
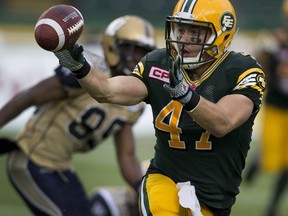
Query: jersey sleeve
x=251, y=83
x=138, y=72
x=152, y=69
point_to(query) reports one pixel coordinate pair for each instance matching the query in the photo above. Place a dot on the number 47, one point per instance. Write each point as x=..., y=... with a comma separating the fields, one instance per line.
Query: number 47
x=173, y=112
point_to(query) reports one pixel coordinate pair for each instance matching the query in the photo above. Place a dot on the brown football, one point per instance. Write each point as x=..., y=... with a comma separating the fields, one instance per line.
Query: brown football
x=59, y=27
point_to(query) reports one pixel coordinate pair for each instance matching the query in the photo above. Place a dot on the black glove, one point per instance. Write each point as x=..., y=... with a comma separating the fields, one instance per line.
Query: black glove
x=178, y=88
x=73, y=59
x=7, y=145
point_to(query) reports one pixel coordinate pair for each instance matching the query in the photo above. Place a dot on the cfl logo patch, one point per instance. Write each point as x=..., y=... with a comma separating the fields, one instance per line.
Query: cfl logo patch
x=227, y=21
x=159, y=74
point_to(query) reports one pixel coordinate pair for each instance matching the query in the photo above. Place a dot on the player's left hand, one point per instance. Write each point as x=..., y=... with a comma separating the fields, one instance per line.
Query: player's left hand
x=177, y=88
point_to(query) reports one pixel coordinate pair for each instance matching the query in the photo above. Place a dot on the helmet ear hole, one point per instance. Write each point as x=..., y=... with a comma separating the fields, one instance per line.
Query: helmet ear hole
x=226, y=37
x=112, y=47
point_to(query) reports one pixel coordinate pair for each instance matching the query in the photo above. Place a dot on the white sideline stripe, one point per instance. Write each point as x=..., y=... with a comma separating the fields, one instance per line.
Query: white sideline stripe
x=143, y=210
x=57, y=28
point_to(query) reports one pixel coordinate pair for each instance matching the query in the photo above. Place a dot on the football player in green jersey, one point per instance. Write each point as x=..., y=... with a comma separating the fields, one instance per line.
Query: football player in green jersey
x=204, y=100
x=68, y=120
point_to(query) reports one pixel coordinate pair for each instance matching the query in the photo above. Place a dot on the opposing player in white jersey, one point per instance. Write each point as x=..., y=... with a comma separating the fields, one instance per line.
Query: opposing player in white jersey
x=67, y=120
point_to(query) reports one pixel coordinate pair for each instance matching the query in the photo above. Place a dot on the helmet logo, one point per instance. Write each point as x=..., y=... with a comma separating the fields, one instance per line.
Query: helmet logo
x=227, y=21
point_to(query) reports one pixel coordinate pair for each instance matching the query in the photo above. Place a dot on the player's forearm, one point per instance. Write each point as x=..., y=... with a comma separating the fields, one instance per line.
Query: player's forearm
x=131, y=171
x=121, y=90
x=96, y=84
x=212, y=118
x=224, y=116
x=6, y=115
x=12, y=109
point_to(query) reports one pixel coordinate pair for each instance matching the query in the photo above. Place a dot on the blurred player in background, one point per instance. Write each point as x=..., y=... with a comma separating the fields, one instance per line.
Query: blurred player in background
x=67, y=120
x=273, y=156
x=116, y=201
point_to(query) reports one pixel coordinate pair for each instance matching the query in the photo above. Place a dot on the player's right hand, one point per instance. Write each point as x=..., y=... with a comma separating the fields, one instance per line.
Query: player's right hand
x=71, y=58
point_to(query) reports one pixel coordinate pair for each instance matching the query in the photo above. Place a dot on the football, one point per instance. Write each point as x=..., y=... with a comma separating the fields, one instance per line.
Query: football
x=59, y=27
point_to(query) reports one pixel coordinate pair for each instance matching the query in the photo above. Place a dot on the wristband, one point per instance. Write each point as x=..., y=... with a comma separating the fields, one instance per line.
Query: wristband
x=83, y=71
x=193, y=102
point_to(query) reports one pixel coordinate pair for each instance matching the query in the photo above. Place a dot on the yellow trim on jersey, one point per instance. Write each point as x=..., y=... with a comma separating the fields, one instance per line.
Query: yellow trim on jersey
x=251, y=71
x=208, y=72
x=139, y=69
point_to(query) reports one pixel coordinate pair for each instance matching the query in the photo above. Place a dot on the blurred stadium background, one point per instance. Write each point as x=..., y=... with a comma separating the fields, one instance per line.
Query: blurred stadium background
x=23, y=63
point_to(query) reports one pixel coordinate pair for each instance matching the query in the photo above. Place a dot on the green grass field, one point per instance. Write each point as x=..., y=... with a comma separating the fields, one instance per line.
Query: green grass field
x=99, y=167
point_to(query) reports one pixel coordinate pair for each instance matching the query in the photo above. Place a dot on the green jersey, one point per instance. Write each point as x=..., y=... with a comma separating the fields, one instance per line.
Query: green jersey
x=184, y=150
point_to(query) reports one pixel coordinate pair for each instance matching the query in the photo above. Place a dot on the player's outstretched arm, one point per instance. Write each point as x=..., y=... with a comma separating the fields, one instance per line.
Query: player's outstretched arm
x=45, y=91
x=123, y=90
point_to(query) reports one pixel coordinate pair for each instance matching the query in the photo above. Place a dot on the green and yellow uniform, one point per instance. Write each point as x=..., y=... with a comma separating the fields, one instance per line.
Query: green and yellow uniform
x=184, y=151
